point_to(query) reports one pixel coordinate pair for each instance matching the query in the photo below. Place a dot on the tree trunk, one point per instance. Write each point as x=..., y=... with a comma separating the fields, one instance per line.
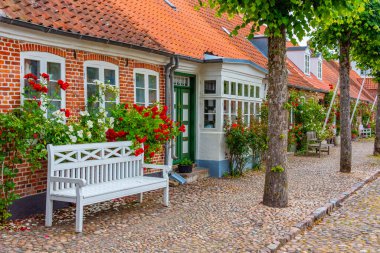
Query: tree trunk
x=377, y=136
x=276, y=183
x=345, y=125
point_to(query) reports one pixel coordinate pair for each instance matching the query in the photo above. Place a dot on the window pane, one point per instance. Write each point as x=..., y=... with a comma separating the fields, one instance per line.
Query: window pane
x=54, y=70
x=140, y=80
x=246, y=90
x=152, y=82
x=240, y=107
x=140, y=96
x=109, y=96
x=226, y=107
x=109, y=76
x=252, y=108
x=258, y=91
x=226, y=87
x=92, y=94
x=210, y=87
x=54, y=91
x=233, y=107
x=240, y=89
x=32, y=66
x=210, y=106
x=233, y=88
x=245, y=107
x=257, y=109
x=252, y=95
x=152, y=96
x=209, y=121
x=54, y=106
x=92, y=74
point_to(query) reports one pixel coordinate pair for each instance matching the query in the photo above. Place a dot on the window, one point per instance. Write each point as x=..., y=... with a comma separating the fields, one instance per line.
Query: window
x=146, y=87
x=106, y=73
x=226, y=87
x=246, y=90
x=37, y=63
x=320, y=69
x=210, y=87
x=240, y=89
x=307, y=64
x=252, y=92
x=233, y=88
x=257, y=91
x=210, y=113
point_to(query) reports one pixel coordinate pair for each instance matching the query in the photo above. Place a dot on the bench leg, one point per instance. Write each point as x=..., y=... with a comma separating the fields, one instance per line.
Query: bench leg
x=166, y=196
x=79, y=218
x=141, y=197
x=49, y=212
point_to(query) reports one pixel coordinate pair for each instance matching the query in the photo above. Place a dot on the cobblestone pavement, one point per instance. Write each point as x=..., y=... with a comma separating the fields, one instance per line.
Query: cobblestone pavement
x=353, y=228
x=212, y=215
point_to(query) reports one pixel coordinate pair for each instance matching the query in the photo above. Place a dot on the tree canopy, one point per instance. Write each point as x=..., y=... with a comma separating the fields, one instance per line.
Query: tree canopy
x=297, y=16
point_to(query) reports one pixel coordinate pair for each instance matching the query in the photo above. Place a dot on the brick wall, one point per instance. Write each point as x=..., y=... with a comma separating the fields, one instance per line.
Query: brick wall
x=28, y=183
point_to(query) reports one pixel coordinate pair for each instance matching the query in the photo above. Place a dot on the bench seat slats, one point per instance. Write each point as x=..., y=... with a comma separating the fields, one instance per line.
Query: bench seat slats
x=109, y=187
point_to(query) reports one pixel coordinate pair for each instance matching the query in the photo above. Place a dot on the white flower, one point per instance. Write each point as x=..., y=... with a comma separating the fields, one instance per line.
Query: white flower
x=89, y=135
x=89, y=124
x=80, y=133
x=112, y=120
x=100, y=121
x=84, y=113
x=71, y=128
x=59, y=116
x=73, y=138
x=101, y=110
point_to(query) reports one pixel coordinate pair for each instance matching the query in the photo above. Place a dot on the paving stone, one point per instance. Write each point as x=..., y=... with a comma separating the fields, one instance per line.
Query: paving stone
x=210, y=215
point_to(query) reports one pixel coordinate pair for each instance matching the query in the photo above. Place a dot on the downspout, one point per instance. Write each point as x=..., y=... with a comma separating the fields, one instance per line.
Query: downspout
x=173, y=69
x=357, y=100
x=168, y=68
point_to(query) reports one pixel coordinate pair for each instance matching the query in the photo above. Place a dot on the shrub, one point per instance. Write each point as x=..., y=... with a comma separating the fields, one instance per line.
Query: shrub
x=237, y=138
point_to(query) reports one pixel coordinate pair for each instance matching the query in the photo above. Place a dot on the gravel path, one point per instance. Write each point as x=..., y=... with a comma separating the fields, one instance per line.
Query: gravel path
x=353, y=228
x=212, y=215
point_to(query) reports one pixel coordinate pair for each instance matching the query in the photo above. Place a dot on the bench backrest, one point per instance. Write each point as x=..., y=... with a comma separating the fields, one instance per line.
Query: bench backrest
x=311, y=136
x=95, y=162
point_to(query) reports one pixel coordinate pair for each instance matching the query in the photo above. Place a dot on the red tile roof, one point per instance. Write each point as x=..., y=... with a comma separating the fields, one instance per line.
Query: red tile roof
x=149, y=23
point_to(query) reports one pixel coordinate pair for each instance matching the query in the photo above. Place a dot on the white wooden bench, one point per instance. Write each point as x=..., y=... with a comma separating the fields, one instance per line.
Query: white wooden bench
x=90, y=173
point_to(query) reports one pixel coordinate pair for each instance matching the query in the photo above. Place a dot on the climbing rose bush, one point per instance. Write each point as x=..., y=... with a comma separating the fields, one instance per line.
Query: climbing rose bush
x=144, y=125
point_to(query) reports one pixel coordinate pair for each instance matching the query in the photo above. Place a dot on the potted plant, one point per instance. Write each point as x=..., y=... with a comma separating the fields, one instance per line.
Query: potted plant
x=185, y=165
x=354, y=134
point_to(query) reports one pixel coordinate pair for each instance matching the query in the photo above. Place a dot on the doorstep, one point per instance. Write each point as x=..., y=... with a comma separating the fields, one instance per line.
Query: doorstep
x=197, y=174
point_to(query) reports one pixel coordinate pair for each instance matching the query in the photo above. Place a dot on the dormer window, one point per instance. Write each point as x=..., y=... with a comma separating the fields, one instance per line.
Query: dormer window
x=319, y=70
x=307, y=64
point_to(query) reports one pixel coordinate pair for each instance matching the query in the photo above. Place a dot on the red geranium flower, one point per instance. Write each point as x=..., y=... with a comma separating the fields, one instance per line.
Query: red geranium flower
x=182, y=128
x=63, y=85
x=146, y=114
x=126, y=106
x=30, y=76
x=67, y=112
x=141, y=140
x=235, y=126
x=35, y=135
x=111, y=135
x=45, y=76
x=121, y=119
x=121, y=134
x=151, y=154
x=139, y=151
x=154, y=108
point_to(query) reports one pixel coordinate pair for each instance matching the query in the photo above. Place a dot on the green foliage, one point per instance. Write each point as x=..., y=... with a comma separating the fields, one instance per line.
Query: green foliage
x=277, y=169
x=296, y=16
x=144, y=125
x=258, y=137
x=185, y=161
x=237, y=137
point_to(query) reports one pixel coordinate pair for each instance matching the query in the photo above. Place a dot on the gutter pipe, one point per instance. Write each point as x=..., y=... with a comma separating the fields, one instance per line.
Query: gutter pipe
x=331, y=104
x=171, y=106
x=168, y=68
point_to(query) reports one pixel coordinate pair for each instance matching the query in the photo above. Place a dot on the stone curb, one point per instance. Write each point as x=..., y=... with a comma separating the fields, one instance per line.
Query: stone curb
x=317, y=215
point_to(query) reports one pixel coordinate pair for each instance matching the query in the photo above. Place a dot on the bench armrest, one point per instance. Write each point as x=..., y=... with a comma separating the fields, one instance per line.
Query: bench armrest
x=78, y=181
x=165, y=168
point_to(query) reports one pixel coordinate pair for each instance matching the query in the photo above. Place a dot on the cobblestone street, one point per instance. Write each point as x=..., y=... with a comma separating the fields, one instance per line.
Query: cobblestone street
x=211, y=215
x=355, y=227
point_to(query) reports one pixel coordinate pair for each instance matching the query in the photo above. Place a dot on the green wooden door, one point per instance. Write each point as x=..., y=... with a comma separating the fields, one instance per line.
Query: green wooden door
x=183, y=110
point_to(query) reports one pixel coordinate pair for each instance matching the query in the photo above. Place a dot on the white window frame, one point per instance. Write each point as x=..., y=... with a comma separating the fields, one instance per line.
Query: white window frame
x=307, y=64
x=241, y=99
x=146, y=73
x=43, y=58
x=319, y=70
x=101, y=65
